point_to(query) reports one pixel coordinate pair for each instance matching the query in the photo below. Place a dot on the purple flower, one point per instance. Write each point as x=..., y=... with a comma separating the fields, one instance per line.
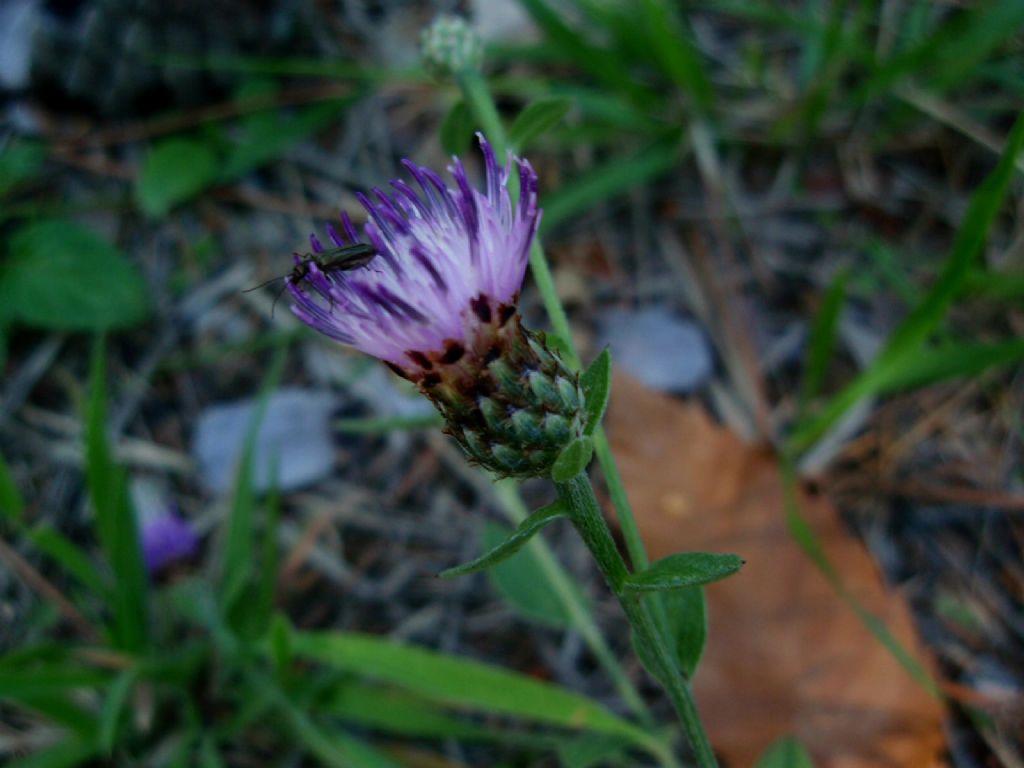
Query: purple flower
x=165, y=539
x=441, y=249
x=438, y=304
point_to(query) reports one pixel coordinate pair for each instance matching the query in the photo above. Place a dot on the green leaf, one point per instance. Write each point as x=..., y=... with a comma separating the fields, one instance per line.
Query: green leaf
x=517, y=580
x=457, y=129
x=684, y=569
x=522, y=534
x=686, y=612
x=266, y=136
x=63, y=276
x=116, y=523
x=12, y=505
x=573, y=459
x=113, y=708
x=461, y=683
x=537, y=118
x=785, y=753
x=20, y=161
x=174, y=170
x=597, y=389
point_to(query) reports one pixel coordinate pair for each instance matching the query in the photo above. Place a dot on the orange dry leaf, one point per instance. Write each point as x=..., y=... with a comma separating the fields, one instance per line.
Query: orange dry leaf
x=785, y=655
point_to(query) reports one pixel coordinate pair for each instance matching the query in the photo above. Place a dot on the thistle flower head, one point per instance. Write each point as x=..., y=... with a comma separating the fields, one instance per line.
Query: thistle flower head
x=438, y=305
x=439, y=248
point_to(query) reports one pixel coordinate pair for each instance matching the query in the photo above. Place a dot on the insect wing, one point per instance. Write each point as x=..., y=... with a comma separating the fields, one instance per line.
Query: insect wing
x=344, y=259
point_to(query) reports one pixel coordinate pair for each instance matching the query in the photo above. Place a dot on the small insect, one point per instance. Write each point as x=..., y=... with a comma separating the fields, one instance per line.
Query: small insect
x=343, y=259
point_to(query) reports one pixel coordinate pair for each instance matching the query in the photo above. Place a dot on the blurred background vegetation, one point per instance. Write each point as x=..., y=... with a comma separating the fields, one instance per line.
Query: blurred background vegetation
x=803, y=218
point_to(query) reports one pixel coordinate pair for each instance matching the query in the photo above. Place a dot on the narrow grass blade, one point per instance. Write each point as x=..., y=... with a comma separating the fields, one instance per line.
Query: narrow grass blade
x=331, y=746
x=823, y=338
x=376, y=426
x=676, y=52
x=600, y=63
x=65, y=754
x=113, y=709
x=116, y=524
x=269, y=561
x=461, y=683
x=951, y=52
x=950, y=361
x=71, y=558
x=239, y=541
x=607, y=181
x=906, y=342
x=12, y=505
x=982, y=211
x=396, y=711
x=61, y=711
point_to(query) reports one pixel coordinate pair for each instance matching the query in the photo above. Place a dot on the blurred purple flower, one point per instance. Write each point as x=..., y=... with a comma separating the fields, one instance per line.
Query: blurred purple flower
x=167, y=538
x=164, y=535
x=445, y=254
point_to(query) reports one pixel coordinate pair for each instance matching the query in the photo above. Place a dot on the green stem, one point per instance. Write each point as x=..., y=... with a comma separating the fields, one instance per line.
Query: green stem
x=478, y=97
x=578, y=496
x=558, y=580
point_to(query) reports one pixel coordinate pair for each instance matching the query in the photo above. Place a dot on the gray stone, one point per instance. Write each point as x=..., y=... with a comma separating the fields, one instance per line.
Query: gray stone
x=294, y=436
x=666, y=352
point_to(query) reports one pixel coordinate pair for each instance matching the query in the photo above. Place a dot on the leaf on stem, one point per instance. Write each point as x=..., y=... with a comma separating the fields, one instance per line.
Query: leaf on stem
x=572, y=460
x=525, y=531
x=683, y=569
x=785, y=753
x=597, y=388
x=537, y=118
x=686, y=611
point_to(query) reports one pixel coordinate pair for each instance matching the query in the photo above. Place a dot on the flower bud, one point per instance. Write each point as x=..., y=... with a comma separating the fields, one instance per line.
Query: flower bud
x=450, y=46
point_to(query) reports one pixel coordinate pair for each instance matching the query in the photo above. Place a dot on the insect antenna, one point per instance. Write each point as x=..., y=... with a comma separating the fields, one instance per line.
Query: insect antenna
x=264, y=285
x=276, y=298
